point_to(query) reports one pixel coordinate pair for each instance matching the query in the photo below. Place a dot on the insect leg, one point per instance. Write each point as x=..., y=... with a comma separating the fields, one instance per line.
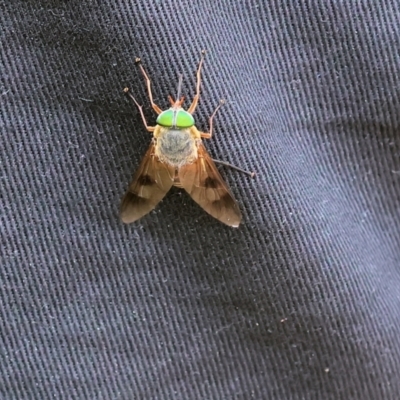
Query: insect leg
x=149, y=128
x=193, y=106
x=207, y=135
x=251, y=174
x=148, y=83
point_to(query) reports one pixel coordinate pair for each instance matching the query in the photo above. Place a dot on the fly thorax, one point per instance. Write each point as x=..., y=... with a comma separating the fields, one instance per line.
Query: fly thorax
x=176, y=146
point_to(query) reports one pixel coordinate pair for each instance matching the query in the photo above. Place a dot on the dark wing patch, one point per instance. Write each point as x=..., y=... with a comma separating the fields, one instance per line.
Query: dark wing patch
x=203, y=182
x=150, y=184
x=211, y=182
x=146, y=180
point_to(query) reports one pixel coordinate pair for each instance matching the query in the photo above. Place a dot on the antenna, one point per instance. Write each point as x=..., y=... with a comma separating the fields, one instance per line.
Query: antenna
x=179, y=87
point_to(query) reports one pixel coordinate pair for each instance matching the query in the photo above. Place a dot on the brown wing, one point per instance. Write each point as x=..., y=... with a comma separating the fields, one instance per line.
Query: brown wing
x=150, y=184
x=203, y=182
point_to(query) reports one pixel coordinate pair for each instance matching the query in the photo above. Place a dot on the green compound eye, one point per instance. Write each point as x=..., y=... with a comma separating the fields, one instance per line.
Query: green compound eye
x=184, y=119
x=180, y=119
x=166, y=118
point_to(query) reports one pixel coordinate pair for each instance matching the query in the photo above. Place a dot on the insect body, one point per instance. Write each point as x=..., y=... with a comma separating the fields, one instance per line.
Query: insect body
x=177, y=157
x=176, y=147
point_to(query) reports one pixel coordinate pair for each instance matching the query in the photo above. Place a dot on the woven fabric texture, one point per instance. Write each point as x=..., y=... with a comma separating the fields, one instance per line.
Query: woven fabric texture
x=302, y=301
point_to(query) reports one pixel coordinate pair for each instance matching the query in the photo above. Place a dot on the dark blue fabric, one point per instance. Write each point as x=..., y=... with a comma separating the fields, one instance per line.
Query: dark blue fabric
x=300, y=302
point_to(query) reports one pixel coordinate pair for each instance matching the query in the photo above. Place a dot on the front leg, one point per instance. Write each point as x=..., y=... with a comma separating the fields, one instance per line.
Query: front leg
x=208, y=135
x=148, y=83
x=149, y=128
x=193, y=106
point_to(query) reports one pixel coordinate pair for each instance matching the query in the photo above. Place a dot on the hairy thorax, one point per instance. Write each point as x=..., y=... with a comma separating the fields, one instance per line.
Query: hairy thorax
x=176, y=147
